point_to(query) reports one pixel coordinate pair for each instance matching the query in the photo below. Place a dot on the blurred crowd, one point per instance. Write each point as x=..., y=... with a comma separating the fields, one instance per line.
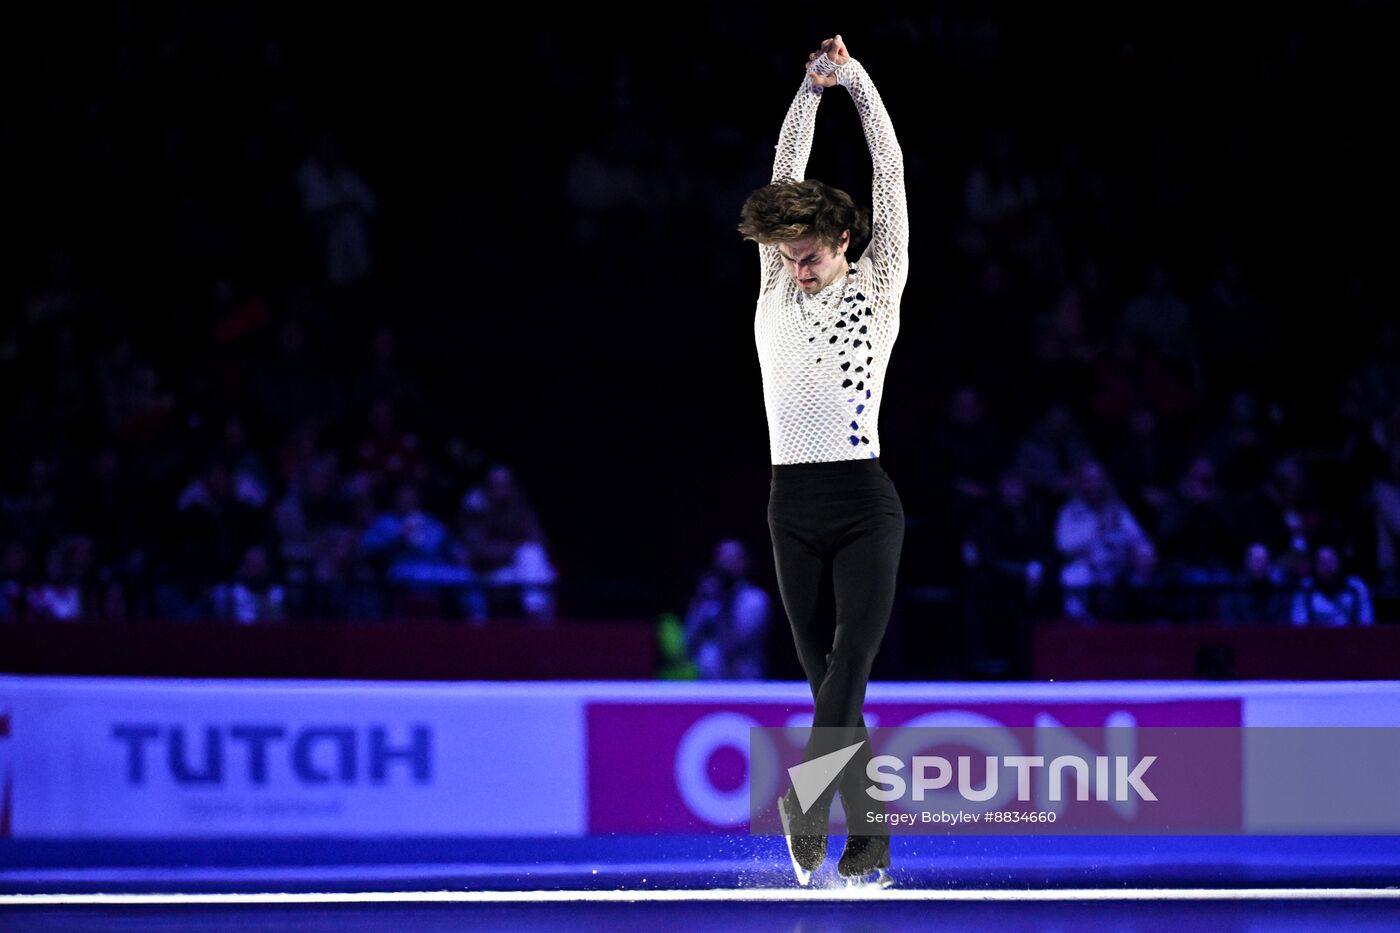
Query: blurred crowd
x=275, y=464
x=169, y=517
x=1106, y=403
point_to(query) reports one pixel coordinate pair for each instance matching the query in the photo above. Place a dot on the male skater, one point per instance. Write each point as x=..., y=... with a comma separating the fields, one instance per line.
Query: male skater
x=824, y=329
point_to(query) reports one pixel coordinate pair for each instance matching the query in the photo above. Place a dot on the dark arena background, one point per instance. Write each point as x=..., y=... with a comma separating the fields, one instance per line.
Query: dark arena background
x=385, y=463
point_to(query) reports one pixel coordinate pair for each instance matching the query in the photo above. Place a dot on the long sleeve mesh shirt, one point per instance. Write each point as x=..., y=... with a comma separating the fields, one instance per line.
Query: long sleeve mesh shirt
x=823, y=356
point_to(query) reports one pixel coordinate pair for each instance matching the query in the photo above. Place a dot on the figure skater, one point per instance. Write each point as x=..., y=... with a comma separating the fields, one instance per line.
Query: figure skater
x=824, y=328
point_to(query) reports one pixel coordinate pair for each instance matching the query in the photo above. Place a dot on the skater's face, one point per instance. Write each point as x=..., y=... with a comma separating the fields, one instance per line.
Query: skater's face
x=813, y=264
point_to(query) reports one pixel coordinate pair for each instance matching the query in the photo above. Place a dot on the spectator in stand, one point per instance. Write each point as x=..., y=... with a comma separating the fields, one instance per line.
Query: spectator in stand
x=389, y=454
x=1372, y=457
x=294, y=385
x=219, y=515
x=70, y=401
x=1052, y=453
x=1095, y=535
x=34, y=512
x=385, y=377
x=60, y=597
x=1066, y=352
x=1195, y=532
x=1159, y=320
x=298, y=460
x=968, y=448
x=1144, y=593
x=116, y=376
x=1374, y=387
x=113, y=514
x=1007, y=555
x=221, y=484
x=254, y=596
x=145, y=407
x=14, y=575
x=1383, y=501
x=1119, y=380
x=1243, y=445
x=113, y=601
x=726, y=625
x=504, y=544
x=1011, y=538
x=602, y=184
x=236, y=450
x=410, y=545
x=1259, y=594
x=1238, y=339
x=1144, y=467
x=1284, y=516
x=59, y=293
x=997, y=199
x=1331, y=597
x=338, y=204
x=1130, y=377
x=316, y=529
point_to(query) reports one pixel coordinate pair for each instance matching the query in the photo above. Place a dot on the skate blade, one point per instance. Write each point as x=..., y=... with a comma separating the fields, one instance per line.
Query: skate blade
x=877, y=879
x=804, y=877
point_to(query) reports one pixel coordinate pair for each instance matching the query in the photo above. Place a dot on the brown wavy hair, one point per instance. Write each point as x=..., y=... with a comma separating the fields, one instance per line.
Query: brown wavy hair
x=794, y=210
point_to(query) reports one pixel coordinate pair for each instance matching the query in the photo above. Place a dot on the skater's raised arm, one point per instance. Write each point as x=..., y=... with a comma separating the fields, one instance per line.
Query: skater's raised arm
x=888, y=252
x=790, y=161
x=795, y=139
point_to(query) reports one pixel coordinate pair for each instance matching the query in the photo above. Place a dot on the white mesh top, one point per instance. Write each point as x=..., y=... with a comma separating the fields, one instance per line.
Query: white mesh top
x=823, y=356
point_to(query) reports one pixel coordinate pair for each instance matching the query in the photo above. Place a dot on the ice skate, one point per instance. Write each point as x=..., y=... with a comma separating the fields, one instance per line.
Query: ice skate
x=865, y=862
x=807, y=850
x=878, y=879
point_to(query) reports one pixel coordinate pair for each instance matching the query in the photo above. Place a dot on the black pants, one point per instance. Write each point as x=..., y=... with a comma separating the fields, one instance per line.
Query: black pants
x=837, y=526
